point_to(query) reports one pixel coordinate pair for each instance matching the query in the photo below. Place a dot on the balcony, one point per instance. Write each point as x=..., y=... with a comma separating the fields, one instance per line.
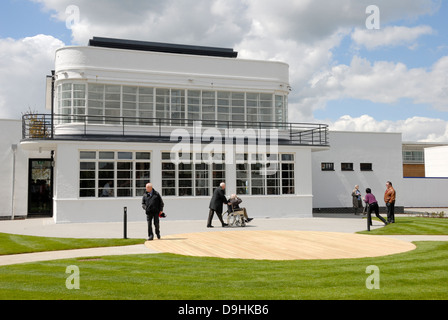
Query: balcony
x=108, y=128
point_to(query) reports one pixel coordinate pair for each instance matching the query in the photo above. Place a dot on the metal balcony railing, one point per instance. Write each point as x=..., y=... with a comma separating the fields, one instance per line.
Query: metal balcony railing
x=48, y=127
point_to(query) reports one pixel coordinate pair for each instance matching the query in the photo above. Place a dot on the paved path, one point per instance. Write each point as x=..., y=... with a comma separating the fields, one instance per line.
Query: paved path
x=47, y=228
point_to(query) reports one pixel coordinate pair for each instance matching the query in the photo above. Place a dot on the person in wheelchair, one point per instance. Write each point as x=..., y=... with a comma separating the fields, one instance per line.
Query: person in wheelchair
x=234, y=202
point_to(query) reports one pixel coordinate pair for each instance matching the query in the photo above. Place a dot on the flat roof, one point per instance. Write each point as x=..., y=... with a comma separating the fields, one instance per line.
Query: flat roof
x=162, y=47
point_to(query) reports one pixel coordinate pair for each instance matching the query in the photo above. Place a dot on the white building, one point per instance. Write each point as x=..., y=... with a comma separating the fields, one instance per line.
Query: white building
x=184, y=118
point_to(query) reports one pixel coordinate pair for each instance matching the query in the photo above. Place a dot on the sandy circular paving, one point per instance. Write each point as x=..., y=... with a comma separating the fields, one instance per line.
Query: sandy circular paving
x=279, y=245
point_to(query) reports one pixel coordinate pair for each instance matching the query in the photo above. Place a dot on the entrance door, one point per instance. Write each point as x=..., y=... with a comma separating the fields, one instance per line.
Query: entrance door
x=40, y=188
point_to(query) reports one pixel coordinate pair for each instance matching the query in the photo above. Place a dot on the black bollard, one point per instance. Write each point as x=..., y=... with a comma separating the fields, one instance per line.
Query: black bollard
x=369, y=220
x=125, y=222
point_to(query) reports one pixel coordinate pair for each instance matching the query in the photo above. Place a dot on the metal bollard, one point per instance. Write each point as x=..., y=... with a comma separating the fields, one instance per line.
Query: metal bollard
x=369, y=219
x=125, y=222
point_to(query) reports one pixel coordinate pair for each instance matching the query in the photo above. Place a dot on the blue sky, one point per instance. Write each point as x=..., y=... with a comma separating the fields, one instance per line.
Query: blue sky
x=328, y=52
x=23, y=18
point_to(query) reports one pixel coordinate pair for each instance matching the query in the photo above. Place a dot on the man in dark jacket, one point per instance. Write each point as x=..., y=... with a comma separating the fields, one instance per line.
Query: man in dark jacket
x=153, y=205
x=218, y=199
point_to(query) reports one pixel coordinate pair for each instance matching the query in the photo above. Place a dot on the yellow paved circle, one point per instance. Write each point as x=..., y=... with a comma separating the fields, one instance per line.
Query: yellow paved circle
x=279, y=245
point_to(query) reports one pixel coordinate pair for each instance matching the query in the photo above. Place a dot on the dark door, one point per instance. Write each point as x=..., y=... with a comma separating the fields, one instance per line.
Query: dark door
x=40, y=188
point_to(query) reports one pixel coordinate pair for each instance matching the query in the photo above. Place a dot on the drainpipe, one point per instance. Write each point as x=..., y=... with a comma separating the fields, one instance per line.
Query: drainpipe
x=14, y=149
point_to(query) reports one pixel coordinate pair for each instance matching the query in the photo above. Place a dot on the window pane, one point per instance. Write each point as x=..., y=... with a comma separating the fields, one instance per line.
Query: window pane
x=143, y=155
x=87, y=154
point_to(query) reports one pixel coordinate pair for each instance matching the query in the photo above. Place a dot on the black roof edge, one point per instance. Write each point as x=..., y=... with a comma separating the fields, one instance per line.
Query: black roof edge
x=162, y=47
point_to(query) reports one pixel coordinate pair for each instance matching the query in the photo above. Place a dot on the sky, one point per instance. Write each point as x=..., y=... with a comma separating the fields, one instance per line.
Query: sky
x=356, y=65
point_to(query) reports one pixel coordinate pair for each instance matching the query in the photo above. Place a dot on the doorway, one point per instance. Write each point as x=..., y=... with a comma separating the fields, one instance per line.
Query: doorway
x=40, y=188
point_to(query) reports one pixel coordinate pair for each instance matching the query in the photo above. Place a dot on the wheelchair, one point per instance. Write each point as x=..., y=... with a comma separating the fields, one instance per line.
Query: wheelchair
x=235, y=217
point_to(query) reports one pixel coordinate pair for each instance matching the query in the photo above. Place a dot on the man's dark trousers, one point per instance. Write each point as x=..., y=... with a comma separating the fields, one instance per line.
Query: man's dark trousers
x=149, y=218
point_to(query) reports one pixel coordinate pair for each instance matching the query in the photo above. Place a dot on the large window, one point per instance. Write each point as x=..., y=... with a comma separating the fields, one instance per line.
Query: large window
x=185, y=175
x=262, y=174
x=113, y=174
x=139, y=104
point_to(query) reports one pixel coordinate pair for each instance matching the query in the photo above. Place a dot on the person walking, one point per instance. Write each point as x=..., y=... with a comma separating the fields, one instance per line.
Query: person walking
x=389, y=199
x=153, y=205
x=372, y=205
x=216, y=203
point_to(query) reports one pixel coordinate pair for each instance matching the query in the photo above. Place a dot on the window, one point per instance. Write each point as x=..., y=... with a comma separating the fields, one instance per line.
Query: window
x=265, y=174
x=177, y=106
x=223, y=108
x=163, y=103
x=87, y=174
x=139, y=105
x=266, y=109
x=112, y=104
x=130, y=104
x=95, y=108
x=242, y=174
x=202, y=176
x=145, y=105
x=71, y=100
x=142, y=172
x=238, y=107
x=280, y=109
x=106, y=174
x=208, y=107
x=113, y=174
x=366, y=167
x=287, y=167
x=184, y=176
x=168, y=175
x=125, y=174
x=327, y=166
x=194, y=105
x=410, y=156
x=346, y=166
x=252, y=104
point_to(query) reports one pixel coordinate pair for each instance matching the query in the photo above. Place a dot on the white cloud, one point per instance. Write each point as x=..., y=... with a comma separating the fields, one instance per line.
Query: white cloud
x=413, y=129
x=385, y=82
x=390, y=36
x=24, y=65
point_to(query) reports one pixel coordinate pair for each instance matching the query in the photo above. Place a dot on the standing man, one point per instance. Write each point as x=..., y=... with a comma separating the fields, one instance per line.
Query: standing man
x=389, y=199
x=218, y=199
x=153, y=205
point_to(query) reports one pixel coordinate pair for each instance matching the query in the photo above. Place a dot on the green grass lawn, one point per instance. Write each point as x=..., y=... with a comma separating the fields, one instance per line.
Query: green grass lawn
x=418, y=274
x=12, y=243
x=412, y=225
x=415, y=275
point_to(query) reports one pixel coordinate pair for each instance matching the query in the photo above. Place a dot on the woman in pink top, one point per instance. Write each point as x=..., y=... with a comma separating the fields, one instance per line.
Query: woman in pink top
x=372, y=206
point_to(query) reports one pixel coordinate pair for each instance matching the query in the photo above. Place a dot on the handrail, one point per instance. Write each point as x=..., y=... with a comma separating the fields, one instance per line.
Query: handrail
x=45, y=126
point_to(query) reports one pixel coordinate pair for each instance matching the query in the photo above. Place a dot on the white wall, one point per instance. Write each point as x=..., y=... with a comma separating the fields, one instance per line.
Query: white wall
x=425, y=192
x=11, y=133
x=169, y=70
x=332, y=189
x=68, y=207
x=436, y=162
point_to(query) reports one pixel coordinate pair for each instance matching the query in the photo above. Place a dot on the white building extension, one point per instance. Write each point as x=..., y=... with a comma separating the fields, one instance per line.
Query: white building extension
x=436, y=162
x=367, y=159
